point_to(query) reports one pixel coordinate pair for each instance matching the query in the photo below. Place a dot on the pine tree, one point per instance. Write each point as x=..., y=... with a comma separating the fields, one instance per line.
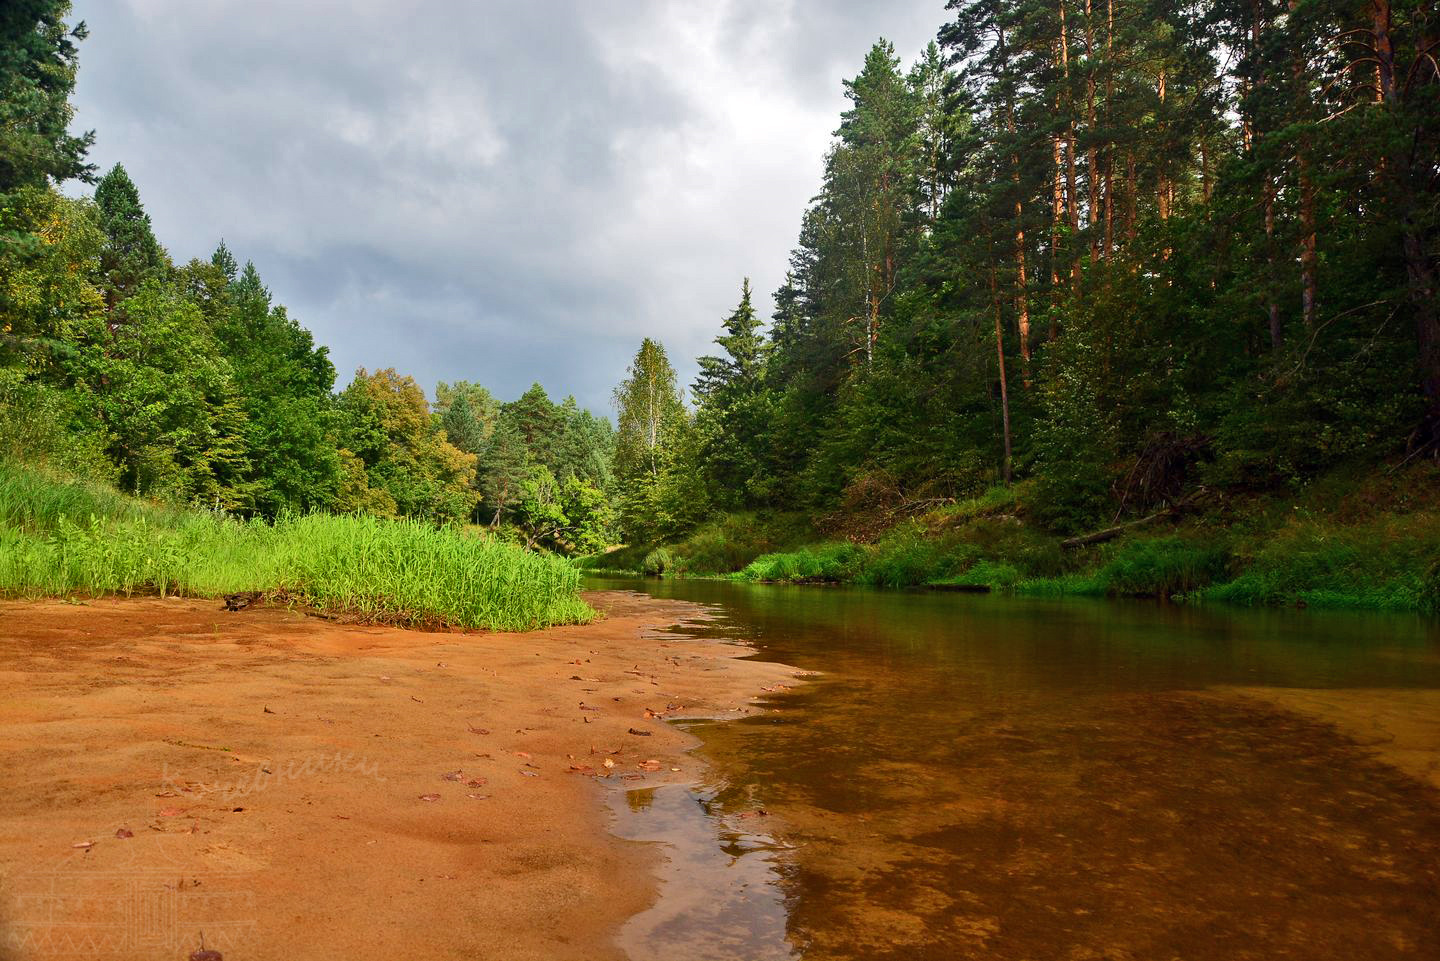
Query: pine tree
x=38, y=59
x=505, y=466
x=734, y=409
x=131, y=254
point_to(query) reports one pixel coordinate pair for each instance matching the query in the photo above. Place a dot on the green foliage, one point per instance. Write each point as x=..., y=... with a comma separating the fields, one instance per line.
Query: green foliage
x=61, y=537
x=821, y=564
x=50, y=306
x=51, y=427
x=735, y=409
x=570, y=517
x=463, y=428
x=38, y=61
x=1163, y=567
x=131, y=255
x=657, y=562
x=167, y=398
x=387, y=425
x=1187, y=256
x=1388, y=564
x=483, y=410
x=656, y=452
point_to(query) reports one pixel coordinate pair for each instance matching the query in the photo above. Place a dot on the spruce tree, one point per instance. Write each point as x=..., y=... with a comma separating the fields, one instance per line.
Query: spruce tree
x=131, y=254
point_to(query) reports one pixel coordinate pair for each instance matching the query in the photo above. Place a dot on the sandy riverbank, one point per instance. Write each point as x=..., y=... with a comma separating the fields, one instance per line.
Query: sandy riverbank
x=301, y=789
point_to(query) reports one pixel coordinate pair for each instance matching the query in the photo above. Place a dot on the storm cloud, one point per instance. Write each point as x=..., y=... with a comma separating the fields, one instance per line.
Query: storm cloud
x=499, y=192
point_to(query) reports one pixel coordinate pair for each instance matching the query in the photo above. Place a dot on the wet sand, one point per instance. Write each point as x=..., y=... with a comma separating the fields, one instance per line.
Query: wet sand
x=297, y=788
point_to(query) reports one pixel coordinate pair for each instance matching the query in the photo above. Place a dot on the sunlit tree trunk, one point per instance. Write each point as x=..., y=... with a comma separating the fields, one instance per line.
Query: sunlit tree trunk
x=1022, y=304
x=1000, y=358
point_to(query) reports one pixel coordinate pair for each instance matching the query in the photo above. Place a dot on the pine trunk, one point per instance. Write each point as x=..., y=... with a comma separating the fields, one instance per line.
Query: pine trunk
x=1000, y=358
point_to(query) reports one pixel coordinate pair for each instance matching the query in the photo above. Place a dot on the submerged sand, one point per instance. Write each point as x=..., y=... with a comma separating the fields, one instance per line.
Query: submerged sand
x=1399, y=726
x=295, y=788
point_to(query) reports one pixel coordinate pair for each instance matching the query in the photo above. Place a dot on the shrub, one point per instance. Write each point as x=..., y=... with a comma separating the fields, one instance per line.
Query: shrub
x=1162, y=567
x=822, y=563
x=1385, y=564
x=657, y=562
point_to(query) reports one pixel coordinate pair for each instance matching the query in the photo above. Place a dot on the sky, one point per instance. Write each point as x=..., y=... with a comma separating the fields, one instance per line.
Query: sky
x=501, y=192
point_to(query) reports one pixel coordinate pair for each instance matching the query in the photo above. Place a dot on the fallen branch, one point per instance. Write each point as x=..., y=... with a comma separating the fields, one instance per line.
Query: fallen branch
x=1110, y=533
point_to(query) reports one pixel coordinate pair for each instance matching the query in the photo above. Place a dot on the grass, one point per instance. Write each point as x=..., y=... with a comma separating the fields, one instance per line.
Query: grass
x=830, y=563
x=60, y=537
x=1364, y=538
x=1385, y=563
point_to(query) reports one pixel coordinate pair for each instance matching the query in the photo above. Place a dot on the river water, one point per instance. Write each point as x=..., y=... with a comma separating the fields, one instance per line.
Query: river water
x=992, y=777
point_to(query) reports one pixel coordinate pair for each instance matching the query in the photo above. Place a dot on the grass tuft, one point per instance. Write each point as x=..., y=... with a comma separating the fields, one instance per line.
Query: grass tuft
x=60, y=537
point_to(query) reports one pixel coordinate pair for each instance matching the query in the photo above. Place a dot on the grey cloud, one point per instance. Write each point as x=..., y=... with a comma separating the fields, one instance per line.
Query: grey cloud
x=501, y=192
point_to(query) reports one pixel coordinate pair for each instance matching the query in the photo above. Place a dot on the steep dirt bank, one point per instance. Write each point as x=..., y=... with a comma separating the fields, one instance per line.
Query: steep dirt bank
x=297, y=788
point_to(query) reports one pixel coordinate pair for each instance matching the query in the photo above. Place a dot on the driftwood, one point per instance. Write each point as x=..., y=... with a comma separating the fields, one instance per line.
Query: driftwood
x=1110, y=533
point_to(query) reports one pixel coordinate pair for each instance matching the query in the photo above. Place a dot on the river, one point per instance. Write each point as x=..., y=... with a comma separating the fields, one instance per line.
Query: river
x=974, y=776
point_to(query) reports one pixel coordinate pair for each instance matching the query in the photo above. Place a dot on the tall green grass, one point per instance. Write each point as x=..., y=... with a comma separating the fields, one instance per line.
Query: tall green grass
x=1388, y=563
x=820, y=564
x=60, y=537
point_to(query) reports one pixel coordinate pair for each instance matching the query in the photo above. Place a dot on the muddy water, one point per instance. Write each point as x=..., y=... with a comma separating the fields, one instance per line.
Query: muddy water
x=977, y=777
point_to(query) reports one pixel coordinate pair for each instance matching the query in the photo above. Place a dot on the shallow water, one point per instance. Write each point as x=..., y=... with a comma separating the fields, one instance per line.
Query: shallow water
x=991, y=777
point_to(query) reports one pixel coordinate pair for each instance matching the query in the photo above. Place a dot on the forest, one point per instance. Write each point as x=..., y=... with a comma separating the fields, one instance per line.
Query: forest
x=1129, y=296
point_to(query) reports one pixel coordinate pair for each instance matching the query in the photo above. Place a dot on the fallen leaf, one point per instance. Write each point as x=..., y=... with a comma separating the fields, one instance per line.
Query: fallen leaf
x=609, y=762
x=476, y=782
x=653, y=715
x=479, y=730
x=266, y=710
x=343, y=817
x=757, y=813
x=651, y=765
x=124, y=833
x=87, y=845
x=529, y=773
x=429, y=797
x=478, y=797
x=416, y=699
x=524, y=754
x=582, y=769
x=586, y=707
x=639, y=733
x=170, y=812
x=452, y=776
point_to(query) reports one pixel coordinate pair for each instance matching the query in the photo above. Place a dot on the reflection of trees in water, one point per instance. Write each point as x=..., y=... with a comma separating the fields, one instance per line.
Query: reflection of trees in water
x=1011, y=779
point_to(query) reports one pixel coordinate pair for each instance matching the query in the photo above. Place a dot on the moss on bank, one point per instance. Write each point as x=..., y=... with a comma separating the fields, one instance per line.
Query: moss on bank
x=1361, y=541
x=60, y=537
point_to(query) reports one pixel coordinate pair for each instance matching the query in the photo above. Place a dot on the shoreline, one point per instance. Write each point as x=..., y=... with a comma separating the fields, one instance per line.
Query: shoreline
x=299, y=788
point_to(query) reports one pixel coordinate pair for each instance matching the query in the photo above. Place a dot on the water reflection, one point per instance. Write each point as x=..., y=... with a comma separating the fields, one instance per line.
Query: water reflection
x=720, y=895
x=999, y=778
